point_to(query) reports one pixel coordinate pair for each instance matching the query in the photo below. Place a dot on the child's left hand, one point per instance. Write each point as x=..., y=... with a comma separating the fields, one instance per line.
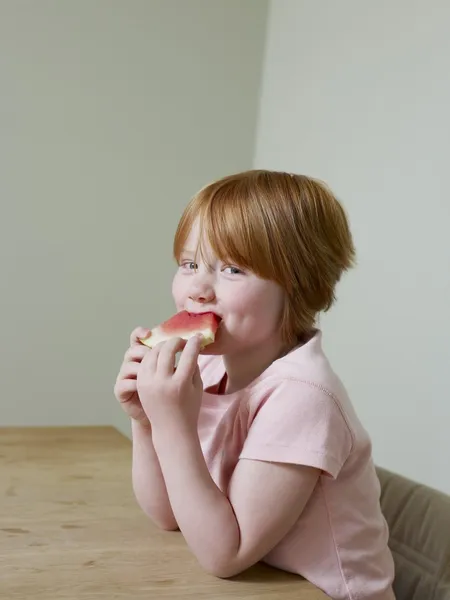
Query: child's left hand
x=166, y=393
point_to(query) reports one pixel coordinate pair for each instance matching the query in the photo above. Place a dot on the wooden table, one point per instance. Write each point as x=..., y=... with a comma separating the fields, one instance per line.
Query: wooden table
x=70, y=528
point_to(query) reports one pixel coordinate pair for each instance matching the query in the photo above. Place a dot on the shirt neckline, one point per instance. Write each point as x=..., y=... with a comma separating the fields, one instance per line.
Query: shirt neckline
x=220, y=373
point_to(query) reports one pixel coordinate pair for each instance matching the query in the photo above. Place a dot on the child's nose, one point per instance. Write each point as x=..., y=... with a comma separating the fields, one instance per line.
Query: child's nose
x=202, y=292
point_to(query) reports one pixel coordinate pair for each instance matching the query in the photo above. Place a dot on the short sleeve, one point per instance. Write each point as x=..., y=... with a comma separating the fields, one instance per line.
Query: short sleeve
x=301, y=424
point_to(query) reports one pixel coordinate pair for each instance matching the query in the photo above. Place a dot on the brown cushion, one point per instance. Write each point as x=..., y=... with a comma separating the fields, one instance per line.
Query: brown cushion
x=419, y=522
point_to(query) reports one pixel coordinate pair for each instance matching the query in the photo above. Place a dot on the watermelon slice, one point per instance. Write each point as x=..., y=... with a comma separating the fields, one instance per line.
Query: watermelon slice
x=185, y=325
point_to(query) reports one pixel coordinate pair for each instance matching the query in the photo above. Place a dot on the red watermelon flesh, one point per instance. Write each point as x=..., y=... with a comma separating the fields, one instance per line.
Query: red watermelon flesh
x=185, y=325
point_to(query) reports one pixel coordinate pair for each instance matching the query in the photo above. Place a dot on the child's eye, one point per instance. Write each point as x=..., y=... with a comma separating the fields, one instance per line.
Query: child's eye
x=230, y=270
x=189, y=265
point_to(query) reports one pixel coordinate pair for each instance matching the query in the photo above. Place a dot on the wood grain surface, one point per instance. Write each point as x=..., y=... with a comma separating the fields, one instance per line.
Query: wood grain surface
x=70, y=529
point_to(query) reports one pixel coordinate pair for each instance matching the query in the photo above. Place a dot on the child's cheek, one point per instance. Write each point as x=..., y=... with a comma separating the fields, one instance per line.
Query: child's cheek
x=178, y=292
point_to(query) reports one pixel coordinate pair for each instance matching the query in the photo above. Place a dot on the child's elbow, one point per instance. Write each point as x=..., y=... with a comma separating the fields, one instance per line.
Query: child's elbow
x=169, y=527
x=222, y=573
x=222, y=569
x=165, y=523
x=164, y=520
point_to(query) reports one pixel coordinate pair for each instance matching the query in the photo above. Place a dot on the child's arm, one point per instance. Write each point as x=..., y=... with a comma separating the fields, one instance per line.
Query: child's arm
x=267, y=492
x=228, y=535
x=148, y=483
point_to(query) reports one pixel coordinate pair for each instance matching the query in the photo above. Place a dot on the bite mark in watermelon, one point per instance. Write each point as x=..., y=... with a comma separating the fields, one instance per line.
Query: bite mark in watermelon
x=185, y=325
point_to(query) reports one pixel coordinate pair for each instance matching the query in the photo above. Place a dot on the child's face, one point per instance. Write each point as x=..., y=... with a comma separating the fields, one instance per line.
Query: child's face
x=250, y=307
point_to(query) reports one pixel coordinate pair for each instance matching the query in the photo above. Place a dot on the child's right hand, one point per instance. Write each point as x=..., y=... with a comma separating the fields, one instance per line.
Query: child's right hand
x=125, y=389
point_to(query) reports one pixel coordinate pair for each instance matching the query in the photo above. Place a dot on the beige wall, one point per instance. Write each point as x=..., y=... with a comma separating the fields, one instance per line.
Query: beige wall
x=357, y=93
x=112, y=114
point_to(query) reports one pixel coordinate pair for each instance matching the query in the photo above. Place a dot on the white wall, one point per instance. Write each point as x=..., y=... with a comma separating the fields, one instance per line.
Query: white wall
x=358, y=94
x=112, y=114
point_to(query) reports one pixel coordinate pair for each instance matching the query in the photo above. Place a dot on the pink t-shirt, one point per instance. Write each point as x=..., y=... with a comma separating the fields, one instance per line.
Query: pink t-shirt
x=298, y=412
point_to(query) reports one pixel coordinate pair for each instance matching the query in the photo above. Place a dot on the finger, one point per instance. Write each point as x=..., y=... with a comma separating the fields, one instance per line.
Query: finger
x=150, y=360
x=124, y=388
x=136, y=334
x=189, y=358
x=167, y=356
x=129, y=370
x=136, y=353
x=197, y=378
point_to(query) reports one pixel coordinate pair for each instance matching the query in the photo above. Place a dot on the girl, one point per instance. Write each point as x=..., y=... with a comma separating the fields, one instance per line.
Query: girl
x=252, y=447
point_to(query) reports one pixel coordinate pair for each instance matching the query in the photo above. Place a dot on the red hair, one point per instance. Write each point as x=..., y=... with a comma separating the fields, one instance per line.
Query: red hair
x=288, y=228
